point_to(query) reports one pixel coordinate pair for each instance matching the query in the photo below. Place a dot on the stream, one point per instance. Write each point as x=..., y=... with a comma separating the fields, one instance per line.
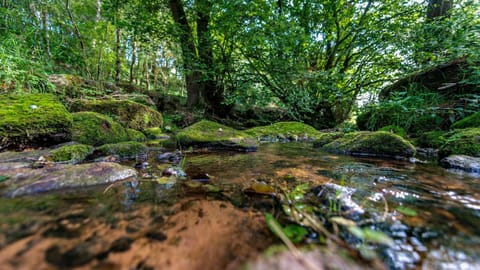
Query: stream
x=432, y=214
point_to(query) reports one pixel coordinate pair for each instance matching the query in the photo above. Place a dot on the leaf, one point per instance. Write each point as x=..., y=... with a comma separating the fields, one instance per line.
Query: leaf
x=377, y=237
x=294, y=232
x=343, y=221
x=3, y=178
x=406, y=211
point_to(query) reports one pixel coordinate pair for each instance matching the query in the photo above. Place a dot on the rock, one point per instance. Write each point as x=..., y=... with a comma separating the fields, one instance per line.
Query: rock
x=155, y=133
x=214, y=136
x=130, y=114
x=339, y=196
x=135, y=135
x=327, y=137
x=173, y=157
x=33, y=120
x=462, y=162
x=24, y=156
x=375, y=144
x=471, y=121
x=25, y=180
x=284, y=132
x=96, y=129
x=71, y=153
x=461, y=142
x=124, y=150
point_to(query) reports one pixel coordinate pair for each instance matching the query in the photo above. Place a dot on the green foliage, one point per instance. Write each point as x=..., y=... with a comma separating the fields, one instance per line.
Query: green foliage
x=394, y=129
x=468, y=122
x=293, y=232
x=406, y=211
x=96, y=129
x=462, y=142
x=73, y=153
x=432, y=139
x=33, y=119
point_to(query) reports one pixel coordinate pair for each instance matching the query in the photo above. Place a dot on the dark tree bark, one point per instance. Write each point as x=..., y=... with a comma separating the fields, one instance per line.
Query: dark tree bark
x=134, y=58
x=438, y=8
x=118, y=63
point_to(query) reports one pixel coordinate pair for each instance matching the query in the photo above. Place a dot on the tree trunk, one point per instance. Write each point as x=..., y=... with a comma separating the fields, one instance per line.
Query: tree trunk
x=118, y=63
x=79, y=37
x=438, y=8
x=45, y=22
x=134, y=59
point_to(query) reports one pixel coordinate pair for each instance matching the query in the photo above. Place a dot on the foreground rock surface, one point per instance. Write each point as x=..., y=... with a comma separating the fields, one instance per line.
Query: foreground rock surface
x=462, y=162
x=24, y=180
x=211, y=135
x=376, y=144
x=33, y=119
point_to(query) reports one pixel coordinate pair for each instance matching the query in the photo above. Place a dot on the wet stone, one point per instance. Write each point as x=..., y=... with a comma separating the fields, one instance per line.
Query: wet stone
x=121, y=244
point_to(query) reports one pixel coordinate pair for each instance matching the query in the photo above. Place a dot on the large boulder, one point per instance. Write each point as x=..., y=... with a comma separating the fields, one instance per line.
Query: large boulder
x=71, y=153
x=461, y=142
x=284, y=132
x=124, y=150
x=96, y=129
x=211, y=135
x=33, y=120
x=462, y=162
x=376, y=144
x=23, y=180
x=130, y=114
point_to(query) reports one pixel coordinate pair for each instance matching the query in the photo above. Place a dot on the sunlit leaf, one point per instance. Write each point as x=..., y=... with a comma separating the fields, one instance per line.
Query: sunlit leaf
x=377, y=237
x=406, y=211
x=343, y=221
x=294, y=232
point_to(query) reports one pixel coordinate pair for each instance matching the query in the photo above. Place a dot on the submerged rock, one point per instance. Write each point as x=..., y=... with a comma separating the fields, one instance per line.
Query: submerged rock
x=462, y=142
x=96, y=129
x=211, y=135
x=32, y=120
x=25, y=180
x=130, y=114
x=376, y=144
x=284, y=132
x=340, y=197
x=462, y=162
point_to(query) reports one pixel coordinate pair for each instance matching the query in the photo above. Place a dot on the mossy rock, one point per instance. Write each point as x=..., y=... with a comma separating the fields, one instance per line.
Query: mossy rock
x=96, y=129
x=472, y=121
x=154, y=133
x=130, y=114
x=327, y=137
x=135, y=135
x=462, y=142
x=211, y=135
x=71, y=153
x=432, y=139
x=285, y=131
x=33, y=119
x=377, y=144
x=124, y=150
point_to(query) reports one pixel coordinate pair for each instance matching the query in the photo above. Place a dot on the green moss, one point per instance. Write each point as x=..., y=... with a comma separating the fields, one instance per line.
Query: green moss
x=74, y=153
x=210, y=134
x=285, y=130
x=96, y=129
x=123, y=149
x=472, y=121
x=327, y=137
x=433, y=139
x=33, y=119
x=154, y=133
x=462, y=142
x=378, y=143
x=135, y=135
x=395, y=129
x=130, y=114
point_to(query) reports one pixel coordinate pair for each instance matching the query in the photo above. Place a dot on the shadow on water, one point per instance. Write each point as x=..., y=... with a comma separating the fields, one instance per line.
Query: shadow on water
x=91, y=227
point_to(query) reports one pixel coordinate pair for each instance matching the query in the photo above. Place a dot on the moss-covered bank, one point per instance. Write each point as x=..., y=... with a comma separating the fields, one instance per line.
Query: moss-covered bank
x=208, y=134
x=378, y=144
x=33, y=119
x=461, y=142
x=284, y=131
x=130, y=114
x=472, y=121
x=96, y=129
x=124, y=150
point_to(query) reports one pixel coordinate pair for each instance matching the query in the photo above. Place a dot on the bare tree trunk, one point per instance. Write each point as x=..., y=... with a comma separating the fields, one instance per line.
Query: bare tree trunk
x=45, y=22
x=79, y=37
x=118, y=63
x=438, y=8
x=134, y=58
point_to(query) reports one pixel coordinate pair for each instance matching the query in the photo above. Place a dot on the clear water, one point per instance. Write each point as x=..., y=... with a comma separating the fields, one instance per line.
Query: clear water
x=444, y=233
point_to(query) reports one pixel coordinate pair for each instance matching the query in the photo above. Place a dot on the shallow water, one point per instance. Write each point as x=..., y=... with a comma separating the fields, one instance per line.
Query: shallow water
x=85, y=228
